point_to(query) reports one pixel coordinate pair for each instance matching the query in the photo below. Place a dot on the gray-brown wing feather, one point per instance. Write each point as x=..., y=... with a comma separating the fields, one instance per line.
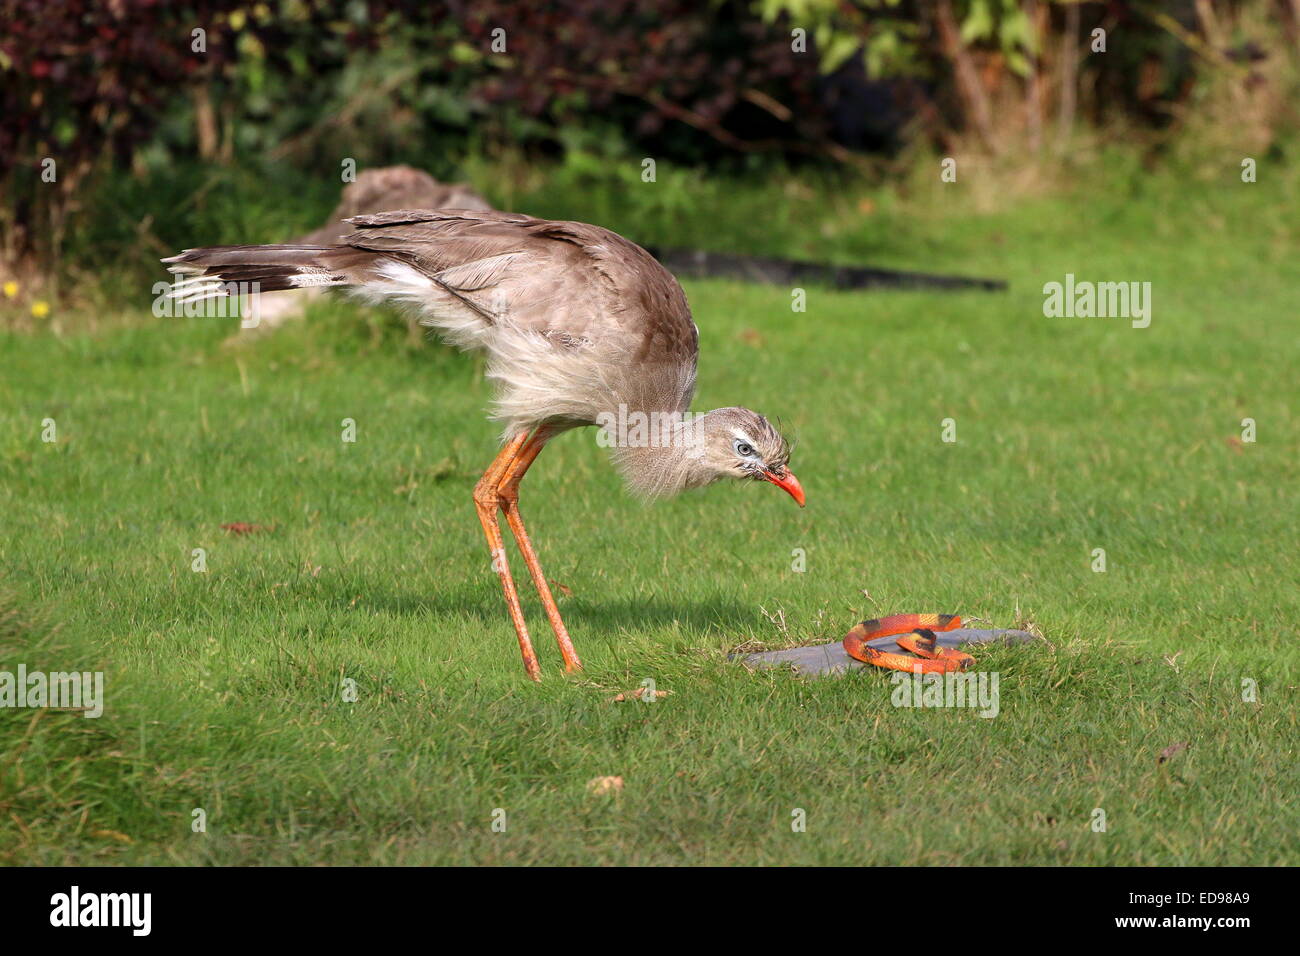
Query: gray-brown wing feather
x=552, y=277
x=575, y=319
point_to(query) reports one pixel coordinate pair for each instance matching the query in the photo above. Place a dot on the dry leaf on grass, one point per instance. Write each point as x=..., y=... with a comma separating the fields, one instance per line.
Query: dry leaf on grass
x=1171, y=750
x=637, y=695
x=243, y=527
x=601, y=786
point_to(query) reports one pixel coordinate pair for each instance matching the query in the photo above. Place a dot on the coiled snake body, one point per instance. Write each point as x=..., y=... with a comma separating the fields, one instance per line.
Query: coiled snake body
x=920, y=640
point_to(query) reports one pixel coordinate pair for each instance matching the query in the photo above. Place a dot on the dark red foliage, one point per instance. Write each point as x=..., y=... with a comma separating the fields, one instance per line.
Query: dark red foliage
x=82, y=79
x=717, y=68
x=91, y=80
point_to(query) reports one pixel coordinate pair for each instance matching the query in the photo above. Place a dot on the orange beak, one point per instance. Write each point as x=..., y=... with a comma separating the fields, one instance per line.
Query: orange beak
x=789, y=484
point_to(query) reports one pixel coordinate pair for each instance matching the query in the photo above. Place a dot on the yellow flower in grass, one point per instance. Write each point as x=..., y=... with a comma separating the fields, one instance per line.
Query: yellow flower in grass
x=10, y=289
x=40, y=308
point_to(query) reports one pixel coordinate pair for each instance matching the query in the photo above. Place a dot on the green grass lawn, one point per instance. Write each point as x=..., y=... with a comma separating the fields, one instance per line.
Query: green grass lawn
x=223, y=688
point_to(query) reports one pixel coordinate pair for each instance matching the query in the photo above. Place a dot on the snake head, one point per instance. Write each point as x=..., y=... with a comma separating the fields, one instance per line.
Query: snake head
x=925, y=638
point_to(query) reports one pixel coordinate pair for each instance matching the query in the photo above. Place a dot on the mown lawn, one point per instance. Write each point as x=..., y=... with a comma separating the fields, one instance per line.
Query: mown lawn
x=224, y=687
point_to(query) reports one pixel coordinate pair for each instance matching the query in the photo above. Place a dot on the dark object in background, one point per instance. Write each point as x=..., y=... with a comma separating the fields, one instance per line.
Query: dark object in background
x=698, y=264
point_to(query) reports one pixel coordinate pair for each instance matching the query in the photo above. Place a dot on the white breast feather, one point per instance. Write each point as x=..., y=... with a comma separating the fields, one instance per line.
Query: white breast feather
x=536, y=380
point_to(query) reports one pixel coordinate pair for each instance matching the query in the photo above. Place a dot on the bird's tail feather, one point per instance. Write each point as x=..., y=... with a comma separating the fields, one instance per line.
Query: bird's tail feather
x=212, y=271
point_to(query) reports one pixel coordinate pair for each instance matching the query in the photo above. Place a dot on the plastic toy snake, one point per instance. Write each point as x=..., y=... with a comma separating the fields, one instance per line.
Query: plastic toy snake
x=920, y=640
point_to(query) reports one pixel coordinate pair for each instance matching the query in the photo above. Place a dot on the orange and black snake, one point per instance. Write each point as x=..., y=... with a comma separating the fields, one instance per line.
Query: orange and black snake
x=920, y=640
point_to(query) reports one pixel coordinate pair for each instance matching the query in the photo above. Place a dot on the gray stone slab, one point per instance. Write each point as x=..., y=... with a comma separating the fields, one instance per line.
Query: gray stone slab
x=829, y=659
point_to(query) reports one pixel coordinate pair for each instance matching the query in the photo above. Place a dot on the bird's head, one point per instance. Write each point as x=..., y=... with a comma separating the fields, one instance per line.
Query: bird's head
x=739, y=443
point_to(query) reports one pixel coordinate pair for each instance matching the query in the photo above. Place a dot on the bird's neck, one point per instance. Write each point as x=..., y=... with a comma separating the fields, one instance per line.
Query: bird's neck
x=661, y=453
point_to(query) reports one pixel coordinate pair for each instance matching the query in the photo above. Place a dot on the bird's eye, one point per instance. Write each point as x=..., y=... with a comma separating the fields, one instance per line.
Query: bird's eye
x=744, y=450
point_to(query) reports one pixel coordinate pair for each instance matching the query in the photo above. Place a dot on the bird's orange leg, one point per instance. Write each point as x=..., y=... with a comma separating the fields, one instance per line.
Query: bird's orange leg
x=486, y=501
x=508, y=492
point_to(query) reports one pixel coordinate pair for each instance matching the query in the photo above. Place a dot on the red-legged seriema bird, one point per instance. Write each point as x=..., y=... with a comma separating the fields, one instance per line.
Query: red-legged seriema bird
x=579, y=326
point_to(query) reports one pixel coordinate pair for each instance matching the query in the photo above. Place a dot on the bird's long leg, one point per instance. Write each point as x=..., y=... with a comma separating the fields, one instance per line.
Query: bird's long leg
x=508, y=492
x=486, y=501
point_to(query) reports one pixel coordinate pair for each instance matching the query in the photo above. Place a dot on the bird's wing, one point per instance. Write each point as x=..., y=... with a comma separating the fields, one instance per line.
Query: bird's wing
x=572, y=282
x=575, y=319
